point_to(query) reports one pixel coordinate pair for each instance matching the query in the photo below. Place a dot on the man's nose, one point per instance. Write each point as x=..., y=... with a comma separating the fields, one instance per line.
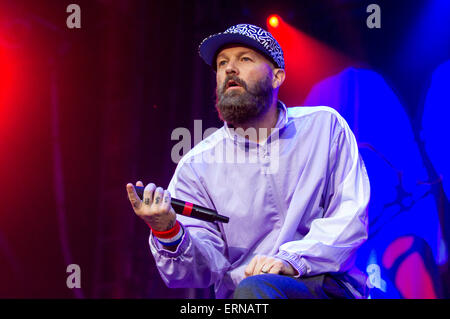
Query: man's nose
x=232, y=68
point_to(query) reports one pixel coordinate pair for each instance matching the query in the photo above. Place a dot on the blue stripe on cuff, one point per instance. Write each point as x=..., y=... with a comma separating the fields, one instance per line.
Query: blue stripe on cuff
x=173, y=243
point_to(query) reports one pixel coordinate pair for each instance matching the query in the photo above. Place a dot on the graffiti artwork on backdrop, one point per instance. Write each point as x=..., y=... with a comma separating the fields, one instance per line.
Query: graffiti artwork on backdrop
x=402, y=209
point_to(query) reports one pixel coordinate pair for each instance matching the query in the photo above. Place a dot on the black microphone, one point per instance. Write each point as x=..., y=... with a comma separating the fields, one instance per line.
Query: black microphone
x=190, y=210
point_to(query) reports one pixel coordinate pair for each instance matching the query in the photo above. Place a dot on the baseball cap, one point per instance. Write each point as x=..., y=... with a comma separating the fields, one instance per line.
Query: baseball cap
x=246, y=34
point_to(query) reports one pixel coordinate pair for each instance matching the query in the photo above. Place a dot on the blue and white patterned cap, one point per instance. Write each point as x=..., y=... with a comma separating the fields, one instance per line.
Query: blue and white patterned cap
x=247, y=34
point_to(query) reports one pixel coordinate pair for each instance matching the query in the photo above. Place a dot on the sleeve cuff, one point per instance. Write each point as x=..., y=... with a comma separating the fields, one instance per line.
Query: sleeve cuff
x=294, y=260
x=160, y=249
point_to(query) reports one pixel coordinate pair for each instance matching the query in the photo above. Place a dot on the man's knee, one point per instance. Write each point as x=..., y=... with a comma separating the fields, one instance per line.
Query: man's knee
x=245, y=288
x=271, y=286
x=256, y=287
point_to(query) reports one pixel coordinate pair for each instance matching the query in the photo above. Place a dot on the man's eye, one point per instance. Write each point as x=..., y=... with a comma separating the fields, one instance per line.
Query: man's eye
x=246, y=58
x=221, y=63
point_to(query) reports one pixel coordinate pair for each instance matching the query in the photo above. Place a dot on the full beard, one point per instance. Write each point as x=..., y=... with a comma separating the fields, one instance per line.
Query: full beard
x=236, y=107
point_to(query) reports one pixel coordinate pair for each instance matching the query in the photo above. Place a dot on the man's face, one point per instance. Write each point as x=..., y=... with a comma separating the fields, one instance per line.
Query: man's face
x=244, y=84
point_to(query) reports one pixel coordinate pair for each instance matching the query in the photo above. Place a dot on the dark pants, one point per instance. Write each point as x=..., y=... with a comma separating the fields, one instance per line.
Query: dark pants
x=271, y=286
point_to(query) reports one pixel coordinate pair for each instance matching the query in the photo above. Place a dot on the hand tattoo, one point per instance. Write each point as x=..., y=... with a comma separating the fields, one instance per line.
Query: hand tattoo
x=147, y=201
x=157, y=199
x=170, y=226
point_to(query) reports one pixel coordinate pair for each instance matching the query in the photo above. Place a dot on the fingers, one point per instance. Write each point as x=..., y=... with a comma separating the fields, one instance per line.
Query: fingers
x=147, y=196
x=275, y=269
x=154, y=208
x=261, y=264
x=148, y=193
x=165, y=204
x=158, y=196
x=250, y=267
x=133, y=197
x=255, y=265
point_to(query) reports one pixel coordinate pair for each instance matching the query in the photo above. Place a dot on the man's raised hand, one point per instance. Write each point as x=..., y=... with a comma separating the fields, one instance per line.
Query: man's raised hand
x=154, y=208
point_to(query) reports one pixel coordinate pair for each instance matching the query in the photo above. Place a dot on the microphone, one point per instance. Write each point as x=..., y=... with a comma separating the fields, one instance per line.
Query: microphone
x=191, y=210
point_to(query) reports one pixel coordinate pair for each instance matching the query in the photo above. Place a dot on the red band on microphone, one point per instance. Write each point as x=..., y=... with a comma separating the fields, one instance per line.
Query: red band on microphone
x=187, y=209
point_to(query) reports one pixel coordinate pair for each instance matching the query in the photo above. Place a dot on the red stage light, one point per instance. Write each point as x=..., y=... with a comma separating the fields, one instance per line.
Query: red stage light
x=273, y=21
x=307, y=60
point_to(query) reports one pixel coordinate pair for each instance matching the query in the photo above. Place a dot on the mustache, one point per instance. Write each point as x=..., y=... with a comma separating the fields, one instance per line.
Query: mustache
x=235, y=78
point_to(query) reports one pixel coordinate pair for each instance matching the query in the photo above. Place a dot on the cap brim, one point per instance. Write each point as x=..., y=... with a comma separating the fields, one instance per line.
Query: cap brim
x=209, y=47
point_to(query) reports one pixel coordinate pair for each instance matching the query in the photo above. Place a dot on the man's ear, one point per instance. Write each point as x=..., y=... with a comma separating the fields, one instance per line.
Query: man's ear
x=278, y=78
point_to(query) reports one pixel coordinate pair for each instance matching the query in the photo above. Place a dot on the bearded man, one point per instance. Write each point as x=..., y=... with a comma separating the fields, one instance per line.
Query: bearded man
x=297, y=214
